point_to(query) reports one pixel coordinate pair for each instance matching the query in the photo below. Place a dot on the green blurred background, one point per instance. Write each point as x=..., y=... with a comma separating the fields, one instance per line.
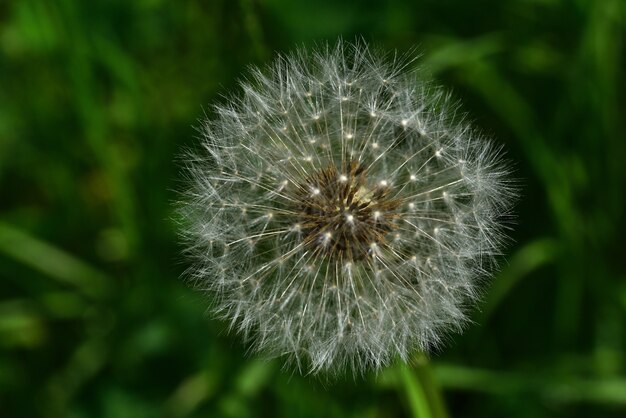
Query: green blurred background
x=97, y=98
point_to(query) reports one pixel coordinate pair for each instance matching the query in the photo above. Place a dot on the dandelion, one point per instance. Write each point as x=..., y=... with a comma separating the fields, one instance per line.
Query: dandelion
x=340, y=214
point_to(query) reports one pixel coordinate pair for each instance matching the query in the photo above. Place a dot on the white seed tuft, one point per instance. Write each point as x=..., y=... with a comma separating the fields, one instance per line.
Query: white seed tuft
x=304, y=249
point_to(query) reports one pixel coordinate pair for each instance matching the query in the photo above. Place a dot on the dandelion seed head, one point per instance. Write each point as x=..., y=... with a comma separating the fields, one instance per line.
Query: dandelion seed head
x=338, y=212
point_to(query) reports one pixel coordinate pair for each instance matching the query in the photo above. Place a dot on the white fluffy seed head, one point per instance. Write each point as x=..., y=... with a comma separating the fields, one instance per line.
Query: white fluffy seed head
x=338, y=215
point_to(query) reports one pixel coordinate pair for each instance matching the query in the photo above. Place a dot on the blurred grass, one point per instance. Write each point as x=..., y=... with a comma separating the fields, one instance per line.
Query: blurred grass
x=96, y=100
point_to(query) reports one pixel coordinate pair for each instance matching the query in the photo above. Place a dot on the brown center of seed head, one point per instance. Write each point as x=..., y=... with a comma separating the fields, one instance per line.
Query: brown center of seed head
x=342, y=216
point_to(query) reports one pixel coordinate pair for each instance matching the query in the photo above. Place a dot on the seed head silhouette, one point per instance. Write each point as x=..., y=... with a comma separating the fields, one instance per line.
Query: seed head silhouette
x=340, y=212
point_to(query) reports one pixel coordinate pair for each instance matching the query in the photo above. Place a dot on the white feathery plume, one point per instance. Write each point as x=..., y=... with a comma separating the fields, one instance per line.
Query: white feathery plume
x=339, y=213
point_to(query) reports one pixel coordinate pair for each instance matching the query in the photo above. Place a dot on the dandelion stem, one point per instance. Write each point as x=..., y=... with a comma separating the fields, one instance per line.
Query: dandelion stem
x=422, y=391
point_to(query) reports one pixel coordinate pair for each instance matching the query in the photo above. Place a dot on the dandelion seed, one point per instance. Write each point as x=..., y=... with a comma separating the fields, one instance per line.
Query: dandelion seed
x=313, y=241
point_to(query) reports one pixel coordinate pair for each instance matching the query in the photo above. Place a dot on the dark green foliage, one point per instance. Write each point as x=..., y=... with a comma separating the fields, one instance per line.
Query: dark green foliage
x=98, y=97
